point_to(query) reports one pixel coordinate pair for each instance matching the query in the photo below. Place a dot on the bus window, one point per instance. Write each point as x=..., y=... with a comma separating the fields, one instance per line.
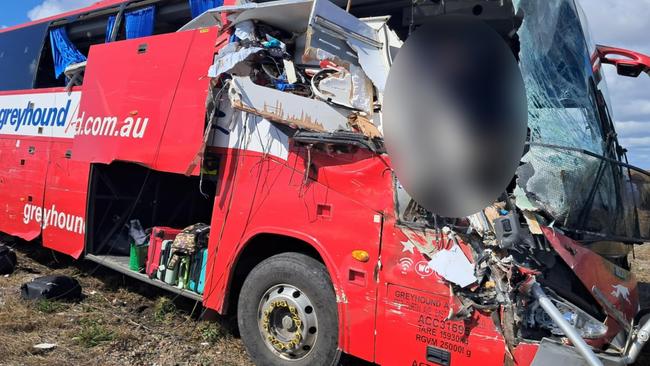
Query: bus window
x=171, y=16
x=168, y=17
x=82, y=34
x=94, y=28
x=20, y=50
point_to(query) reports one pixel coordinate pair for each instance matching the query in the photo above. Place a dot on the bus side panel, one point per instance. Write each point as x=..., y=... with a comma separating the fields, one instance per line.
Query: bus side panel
x=415, y=303
x=65, y=201
x=184, y=131
x=128, y=91
x=23, y=182
x=270, y=197
x=31, y=120
x=8, y=194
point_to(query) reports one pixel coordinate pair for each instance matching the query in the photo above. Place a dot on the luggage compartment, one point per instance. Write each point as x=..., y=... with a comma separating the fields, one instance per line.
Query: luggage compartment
x=163, y=203
x=121, y=192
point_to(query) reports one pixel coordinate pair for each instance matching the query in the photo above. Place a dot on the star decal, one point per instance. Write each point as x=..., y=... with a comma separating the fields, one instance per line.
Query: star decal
x=408, y=247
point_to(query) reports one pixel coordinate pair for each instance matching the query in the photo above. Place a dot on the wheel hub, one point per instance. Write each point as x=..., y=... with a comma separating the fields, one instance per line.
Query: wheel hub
x=287, y=322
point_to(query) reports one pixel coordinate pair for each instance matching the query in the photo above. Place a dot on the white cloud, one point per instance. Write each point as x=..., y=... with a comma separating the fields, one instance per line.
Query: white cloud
x=631, y=129
x=52, y=7
x=616, y=21
x=640, y=142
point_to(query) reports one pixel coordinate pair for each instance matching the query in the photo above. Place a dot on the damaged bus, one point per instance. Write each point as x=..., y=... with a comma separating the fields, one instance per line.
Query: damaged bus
x=233, y=152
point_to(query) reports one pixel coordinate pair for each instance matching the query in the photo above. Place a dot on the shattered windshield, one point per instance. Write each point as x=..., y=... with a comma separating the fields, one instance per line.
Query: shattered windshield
x=570, y=172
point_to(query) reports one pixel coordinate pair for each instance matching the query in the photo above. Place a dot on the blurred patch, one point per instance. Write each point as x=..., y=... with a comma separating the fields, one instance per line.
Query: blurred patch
x=455, y=116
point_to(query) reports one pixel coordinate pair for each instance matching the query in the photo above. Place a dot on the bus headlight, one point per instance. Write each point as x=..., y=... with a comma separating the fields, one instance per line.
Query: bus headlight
x=588, y=326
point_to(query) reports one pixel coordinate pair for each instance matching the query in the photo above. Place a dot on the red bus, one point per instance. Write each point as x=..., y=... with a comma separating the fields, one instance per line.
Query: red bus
x=141, y=110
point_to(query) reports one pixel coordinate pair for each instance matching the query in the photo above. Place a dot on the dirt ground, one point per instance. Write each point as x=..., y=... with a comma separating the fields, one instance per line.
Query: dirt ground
x=118, y=322
x=122, y=322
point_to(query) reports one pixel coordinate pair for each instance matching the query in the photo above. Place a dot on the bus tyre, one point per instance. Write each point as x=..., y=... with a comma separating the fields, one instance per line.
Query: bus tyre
x=287, y=313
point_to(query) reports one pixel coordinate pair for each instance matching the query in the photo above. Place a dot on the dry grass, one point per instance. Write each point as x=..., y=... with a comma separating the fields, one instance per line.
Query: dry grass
x=117, y=323
x=120, y=322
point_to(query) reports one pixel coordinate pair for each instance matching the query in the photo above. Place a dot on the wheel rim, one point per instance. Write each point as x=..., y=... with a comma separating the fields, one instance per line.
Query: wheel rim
x=287, y=322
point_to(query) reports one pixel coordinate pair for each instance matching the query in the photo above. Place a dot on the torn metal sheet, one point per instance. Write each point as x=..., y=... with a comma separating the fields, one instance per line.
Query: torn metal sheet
x=326, y=16
x=348, y=39
x=552, y=353
x=232, y=62
x=290, y=15
x=373, y=62
x=390, y=39
x=378, y=69
x=286, y=108
x=453, y=266
x=246, y=131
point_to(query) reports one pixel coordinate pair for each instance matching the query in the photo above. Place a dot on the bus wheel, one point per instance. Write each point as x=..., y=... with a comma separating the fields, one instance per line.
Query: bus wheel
x=287, y=313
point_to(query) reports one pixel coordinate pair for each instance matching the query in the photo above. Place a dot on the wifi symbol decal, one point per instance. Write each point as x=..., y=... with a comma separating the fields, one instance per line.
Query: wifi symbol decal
x=405, y=264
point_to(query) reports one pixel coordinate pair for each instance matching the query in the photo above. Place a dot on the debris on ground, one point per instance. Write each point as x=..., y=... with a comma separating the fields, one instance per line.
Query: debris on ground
x=44, y=347
x=8, y=260
x=118, y=322
x=51, y=287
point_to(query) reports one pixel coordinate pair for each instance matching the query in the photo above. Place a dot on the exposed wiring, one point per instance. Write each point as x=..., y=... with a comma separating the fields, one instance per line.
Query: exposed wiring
x=308, y=166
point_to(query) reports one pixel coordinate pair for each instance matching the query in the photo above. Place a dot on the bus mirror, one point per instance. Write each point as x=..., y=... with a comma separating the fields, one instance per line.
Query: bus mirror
x=628, y=63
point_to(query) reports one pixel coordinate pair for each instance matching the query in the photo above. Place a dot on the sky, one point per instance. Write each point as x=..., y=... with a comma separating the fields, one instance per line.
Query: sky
x=619, y=23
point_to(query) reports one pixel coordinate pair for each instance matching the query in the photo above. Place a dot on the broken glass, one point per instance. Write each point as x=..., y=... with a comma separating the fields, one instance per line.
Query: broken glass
x=571, y=170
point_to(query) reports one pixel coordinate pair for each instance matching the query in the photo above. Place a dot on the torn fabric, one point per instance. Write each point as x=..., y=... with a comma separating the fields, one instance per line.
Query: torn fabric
x=245, y=30
x=232, y=62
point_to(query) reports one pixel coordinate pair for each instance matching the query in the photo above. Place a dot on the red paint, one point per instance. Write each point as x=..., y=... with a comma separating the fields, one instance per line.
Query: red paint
x=390, y=307
x=618, y=286
x=627, y=60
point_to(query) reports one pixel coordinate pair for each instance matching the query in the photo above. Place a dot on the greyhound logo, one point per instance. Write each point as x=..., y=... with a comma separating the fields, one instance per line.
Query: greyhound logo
x=621, y=292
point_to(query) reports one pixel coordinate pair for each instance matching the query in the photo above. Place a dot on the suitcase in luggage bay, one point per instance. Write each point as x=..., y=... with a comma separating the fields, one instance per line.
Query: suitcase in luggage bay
x=158, y=236
x=138, y=257
x=171, y=274
x=192, y=285
x=204, y=265
x=165, y=252
x=189, y=241
x=197, y=271
x=183, y=272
